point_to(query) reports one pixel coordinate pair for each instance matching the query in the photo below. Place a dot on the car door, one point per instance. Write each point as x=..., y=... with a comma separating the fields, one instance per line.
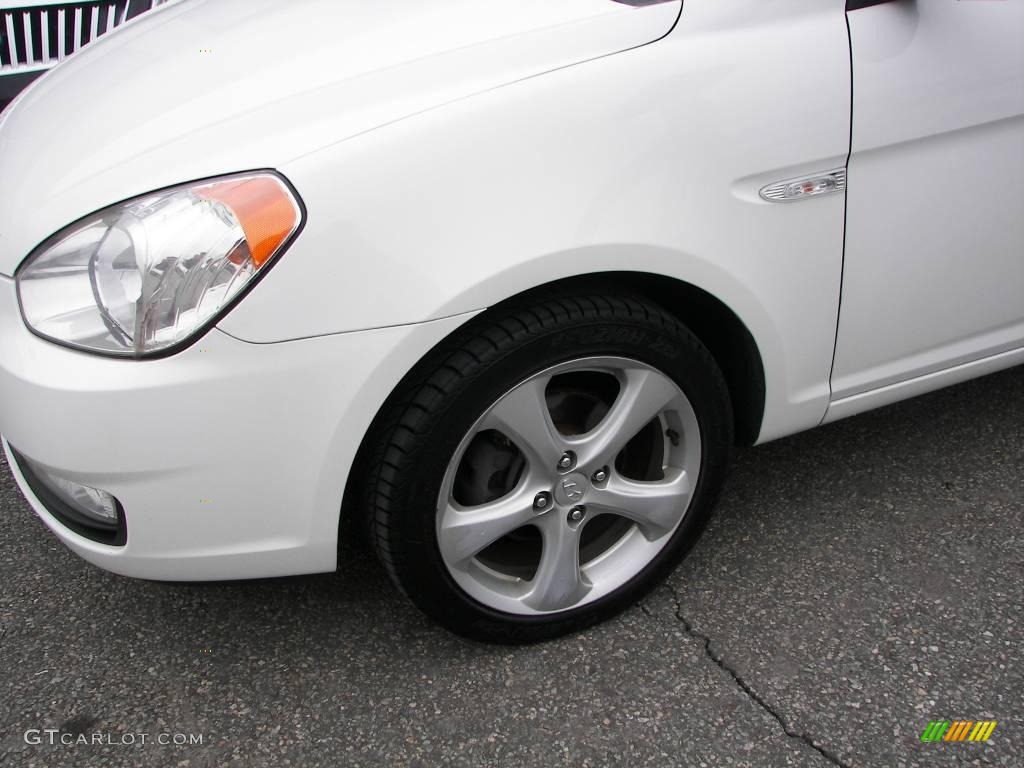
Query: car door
x=934, y=261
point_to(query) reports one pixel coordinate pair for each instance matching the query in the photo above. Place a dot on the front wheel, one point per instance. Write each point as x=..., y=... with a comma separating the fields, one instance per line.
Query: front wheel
x=549, y=466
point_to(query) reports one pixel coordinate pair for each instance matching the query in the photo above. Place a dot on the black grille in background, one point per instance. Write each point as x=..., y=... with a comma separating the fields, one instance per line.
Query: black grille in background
x=36, y=37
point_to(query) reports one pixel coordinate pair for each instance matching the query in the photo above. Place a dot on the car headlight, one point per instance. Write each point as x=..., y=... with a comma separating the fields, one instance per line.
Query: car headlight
x=144, y=276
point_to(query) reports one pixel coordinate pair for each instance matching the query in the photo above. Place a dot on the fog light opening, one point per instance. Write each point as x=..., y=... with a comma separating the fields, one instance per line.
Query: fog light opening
x=90, y=512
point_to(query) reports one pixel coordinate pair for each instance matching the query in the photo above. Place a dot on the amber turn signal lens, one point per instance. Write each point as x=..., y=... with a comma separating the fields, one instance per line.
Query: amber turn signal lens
x=263, y=207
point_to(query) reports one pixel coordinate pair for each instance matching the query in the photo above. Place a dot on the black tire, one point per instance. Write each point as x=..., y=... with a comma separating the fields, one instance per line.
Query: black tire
x=425, y=420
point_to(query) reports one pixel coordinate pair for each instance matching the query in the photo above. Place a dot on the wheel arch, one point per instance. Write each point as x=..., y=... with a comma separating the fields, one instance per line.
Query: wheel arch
x=717, y=326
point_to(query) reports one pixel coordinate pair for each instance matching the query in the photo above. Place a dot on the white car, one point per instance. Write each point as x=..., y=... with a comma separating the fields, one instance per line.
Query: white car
x=502, y=281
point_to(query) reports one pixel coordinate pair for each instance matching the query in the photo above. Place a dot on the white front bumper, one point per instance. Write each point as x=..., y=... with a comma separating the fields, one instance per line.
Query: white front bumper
x=230, y=459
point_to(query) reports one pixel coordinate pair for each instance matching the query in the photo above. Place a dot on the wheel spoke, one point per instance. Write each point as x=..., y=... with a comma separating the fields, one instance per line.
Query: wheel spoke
x=466, y=531
x=523, y=417
x=558, y=582
x=655, y=507
x=643, y=396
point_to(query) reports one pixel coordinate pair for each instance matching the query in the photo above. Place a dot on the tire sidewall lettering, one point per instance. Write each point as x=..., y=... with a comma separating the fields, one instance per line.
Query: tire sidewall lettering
x=588, y=337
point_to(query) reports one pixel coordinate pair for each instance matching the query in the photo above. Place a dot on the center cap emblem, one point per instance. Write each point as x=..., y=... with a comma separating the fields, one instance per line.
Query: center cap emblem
x=571, y=489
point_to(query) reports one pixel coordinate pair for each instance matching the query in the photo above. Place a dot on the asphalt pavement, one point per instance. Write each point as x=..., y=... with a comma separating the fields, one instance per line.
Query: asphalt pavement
x=858, y=582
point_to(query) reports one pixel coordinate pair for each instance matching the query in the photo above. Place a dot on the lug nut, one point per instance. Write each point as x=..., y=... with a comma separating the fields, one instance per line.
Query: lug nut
x=601, y=475
x=567, y=462
x=577, y=513
x=542, y=501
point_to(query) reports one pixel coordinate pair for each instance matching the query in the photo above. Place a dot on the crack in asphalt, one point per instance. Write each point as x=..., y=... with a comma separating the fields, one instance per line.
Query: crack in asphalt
x=743, y=685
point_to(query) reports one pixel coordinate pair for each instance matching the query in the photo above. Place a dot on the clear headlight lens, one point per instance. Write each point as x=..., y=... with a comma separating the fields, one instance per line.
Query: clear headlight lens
x=143, y=276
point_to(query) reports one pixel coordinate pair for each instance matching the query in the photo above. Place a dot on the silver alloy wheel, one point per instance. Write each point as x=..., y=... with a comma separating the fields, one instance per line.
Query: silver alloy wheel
x=571, y=481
